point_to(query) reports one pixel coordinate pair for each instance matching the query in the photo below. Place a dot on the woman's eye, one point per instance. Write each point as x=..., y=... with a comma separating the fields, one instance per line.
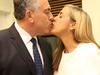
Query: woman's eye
x=60, y=16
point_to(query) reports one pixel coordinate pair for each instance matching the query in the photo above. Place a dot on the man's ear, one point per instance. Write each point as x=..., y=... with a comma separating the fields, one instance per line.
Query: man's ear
x=29, y=15
x=72, y=25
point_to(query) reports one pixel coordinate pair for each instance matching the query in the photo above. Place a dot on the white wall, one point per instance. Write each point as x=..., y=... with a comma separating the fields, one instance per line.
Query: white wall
x=6, y=13
x=92, y=7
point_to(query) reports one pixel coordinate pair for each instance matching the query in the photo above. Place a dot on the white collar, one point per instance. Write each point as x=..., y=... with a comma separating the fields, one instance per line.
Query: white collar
x=26, y=37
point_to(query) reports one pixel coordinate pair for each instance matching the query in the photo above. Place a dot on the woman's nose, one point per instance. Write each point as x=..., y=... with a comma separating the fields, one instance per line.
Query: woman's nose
x=55, y=18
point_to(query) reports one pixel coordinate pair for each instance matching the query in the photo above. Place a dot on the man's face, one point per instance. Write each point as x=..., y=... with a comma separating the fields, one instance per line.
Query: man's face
x=43, y=18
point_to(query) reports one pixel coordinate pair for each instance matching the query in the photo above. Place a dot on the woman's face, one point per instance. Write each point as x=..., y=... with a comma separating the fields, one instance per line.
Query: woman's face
x=62, y=22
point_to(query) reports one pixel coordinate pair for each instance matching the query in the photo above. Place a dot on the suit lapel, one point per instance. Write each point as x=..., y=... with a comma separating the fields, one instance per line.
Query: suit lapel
x=21, y=48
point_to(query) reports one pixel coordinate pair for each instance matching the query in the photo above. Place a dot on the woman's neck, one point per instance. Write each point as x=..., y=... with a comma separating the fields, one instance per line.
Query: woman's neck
x=69, y=43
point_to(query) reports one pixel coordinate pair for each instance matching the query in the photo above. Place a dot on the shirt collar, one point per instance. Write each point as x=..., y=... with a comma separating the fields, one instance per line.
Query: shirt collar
x=26, y=37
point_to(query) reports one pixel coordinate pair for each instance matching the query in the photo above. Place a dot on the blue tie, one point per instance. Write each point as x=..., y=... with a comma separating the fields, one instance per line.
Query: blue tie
x=37, y=59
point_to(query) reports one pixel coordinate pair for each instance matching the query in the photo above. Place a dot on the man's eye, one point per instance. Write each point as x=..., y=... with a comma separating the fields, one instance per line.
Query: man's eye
x=47, y=12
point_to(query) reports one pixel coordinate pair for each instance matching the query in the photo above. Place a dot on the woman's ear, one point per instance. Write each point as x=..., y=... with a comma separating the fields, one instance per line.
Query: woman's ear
x=72, y=25
x=29, y=16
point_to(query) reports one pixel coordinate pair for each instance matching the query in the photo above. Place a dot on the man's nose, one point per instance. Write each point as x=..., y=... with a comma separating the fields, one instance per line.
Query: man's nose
x=51, y=18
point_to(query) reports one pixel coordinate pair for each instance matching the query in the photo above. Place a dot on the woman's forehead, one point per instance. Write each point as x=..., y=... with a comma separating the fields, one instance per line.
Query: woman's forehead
x=65, y=10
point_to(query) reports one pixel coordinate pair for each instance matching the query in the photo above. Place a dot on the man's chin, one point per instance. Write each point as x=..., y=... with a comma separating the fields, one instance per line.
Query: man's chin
x=46, y=34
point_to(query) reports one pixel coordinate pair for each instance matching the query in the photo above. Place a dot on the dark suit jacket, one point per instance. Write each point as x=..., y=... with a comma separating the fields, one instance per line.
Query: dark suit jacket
x=15, y=58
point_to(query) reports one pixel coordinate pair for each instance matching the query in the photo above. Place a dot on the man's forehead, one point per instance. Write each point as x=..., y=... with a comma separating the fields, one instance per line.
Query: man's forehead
x=44, y=4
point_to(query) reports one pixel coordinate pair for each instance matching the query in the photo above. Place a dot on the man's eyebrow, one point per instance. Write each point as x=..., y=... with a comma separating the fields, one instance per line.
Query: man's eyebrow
x=48, y=9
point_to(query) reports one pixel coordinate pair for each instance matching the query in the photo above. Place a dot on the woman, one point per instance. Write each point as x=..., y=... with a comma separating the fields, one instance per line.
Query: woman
x=78, y=54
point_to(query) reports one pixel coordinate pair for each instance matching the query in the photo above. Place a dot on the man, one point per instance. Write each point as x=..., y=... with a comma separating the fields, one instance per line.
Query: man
x=33, y=19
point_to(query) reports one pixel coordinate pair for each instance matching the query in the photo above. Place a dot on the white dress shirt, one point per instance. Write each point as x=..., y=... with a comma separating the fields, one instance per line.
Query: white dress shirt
x=27, y=41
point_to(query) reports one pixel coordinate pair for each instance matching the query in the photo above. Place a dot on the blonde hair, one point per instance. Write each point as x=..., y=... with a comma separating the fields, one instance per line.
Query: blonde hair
x=82, y=32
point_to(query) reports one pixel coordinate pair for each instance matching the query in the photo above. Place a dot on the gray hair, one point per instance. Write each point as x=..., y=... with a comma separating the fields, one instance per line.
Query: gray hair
x=21, y=5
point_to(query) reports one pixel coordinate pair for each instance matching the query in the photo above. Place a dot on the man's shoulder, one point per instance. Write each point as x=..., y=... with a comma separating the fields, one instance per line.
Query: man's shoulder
x=3, y=33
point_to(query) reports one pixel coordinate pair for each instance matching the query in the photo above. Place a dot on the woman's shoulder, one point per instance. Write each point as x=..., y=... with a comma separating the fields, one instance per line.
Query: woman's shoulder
x=88, y=48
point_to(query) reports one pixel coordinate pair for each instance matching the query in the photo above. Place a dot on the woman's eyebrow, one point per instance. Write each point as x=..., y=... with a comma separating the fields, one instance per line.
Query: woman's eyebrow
x=60, y=13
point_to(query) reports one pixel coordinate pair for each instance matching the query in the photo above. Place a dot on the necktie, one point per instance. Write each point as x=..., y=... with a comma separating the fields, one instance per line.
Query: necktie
x=37, y=59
